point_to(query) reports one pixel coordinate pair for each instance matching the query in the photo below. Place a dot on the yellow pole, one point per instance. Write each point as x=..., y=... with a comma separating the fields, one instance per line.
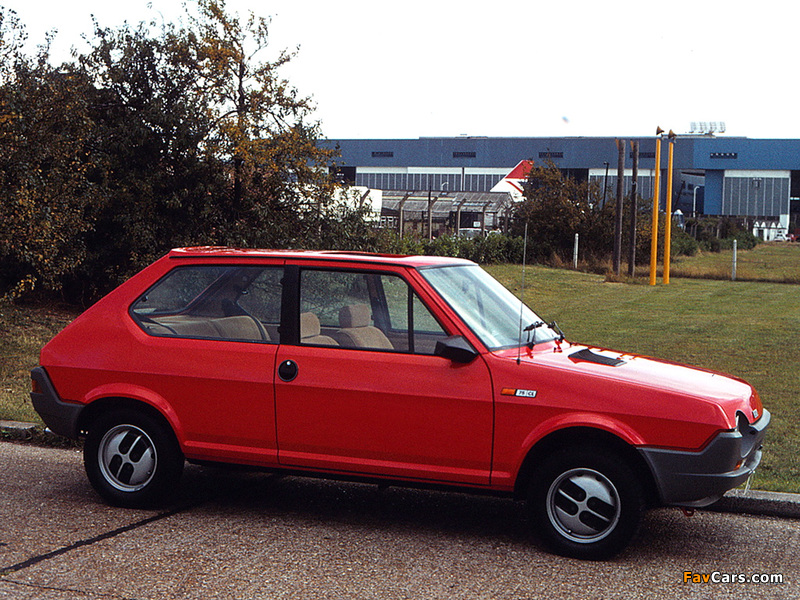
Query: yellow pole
x=668, y=224
x=656, y=194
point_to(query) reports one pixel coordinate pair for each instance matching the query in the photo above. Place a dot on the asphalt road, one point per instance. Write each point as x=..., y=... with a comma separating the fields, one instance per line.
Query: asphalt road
x=248, y=535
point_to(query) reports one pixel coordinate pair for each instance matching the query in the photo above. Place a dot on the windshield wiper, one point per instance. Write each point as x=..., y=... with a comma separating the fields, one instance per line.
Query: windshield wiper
x=535, y=325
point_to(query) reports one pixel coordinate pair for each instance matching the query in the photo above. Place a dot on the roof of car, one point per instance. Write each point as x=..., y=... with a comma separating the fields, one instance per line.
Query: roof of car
x=327, y=255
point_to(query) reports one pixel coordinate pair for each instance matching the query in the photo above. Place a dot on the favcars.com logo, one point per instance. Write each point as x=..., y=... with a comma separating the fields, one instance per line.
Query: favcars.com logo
x=718, y=577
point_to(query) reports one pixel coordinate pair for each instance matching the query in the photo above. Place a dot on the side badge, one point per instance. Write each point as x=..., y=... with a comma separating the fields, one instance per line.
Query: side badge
x=518, y=393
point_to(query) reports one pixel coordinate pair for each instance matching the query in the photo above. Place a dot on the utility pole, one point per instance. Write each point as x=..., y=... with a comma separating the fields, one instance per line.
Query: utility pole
x=634, y=194
x=620, y=206
x=431, y=202
x=656, y=199
x=668, y=225
x=400, y=215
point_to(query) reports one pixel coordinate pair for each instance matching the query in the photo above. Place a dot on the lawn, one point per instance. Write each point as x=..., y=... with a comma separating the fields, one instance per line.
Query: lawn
x=747, y=328
x=776, y=262
x=23, y=331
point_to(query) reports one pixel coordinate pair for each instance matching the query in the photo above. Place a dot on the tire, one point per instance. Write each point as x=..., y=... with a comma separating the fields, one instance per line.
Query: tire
x=132, y=459
x=585, y=503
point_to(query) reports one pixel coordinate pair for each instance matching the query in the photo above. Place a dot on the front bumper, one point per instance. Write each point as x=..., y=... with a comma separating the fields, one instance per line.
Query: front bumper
x=61, y=417
x=698, y=479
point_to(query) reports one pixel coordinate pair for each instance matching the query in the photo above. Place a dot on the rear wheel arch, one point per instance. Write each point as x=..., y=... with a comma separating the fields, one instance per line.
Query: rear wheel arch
x=102, y=406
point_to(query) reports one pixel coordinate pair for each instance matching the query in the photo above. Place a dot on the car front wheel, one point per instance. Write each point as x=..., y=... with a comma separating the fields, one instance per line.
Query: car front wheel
x=132, y=459
x=585, y=503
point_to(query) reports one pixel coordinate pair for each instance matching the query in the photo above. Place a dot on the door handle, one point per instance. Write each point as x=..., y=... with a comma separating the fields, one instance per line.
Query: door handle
x=287, y=370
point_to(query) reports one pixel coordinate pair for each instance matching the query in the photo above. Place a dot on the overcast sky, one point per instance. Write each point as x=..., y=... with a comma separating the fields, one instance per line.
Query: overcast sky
x=511, y=68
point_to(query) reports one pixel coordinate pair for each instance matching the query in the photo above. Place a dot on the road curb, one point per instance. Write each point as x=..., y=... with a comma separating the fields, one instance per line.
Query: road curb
x=751, y=502
x=756, y=502
x=31, y=433
x=17, y=430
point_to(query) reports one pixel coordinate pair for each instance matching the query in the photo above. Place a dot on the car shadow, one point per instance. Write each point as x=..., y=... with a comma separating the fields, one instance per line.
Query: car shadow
x=354, y=503
x=664, y=532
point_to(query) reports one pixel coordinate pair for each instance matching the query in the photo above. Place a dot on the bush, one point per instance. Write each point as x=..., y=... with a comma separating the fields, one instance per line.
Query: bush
x=683, y=244
x=494, y=248
x=717, y=233
x=711, y=245
x=744, y=241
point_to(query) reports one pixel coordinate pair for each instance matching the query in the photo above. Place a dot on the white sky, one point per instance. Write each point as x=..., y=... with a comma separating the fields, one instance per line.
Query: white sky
x=511, y=68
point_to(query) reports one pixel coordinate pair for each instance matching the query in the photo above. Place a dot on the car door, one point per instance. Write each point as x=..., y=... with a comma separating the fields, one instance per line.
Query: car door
x=362, y=392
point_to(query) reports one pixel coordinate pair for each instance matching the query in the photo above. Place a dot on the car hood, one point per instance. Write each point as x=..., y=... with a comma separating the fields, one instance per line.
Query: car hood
x=657, y=379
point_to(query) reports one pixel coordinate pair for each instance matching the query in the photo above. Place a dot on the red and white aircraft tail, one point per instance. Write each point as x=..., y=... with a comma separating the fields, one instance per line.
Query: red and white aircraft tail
x=513, y=182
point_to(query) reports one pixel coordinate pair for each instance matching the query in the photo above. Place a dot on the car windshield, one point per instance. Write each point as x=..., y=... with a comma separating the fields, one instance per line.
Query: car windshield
x=488, y=308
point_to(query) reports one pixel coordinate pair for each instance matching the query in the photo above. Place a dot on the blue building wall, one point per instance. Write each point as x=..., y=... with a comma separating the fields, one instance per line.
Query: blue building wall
x=744, y=153
x=712, y=204
x=570, y=153
x=712, y=155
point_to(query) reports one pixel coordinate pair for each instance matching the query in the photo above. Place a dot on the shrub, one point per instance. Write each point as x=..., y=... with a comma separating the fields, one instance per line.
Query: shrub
x=683, y=244
x=744, y=241
x=494, y=248
x=711, y=245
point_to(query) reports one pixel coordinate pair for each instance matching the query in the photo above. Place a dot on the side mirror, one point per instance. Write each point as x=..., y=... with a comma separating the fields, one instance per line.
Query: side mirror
x=456, y=348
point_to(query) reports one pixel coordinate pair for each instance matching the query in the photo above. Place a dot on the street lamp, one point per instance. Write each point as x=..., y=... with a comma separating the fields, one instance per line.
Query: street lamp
x=694, y=200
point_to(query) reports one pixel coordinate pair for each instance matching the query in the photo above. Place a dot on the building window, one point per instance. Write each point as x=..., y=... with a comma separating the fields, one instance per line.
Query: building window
x=388, y=222
x=382, y=154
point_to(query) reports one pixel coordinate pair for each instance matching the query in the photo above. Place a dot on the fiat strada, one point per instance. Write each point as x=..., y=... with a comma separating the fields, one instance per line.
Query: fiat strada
x=398, y=369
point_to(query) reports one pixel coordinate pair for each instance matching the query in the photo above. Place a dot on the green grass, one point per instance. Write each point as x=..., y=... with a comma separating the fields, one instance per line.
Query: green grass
x=776, y=262
x=748, y=329
x=23, y=332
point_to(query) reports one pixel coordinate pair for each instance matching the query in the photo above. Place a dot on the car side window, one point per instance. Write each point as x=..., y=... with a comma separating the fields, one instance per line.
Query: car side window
x=231, y=303
x=364, y=310
x=412, y=328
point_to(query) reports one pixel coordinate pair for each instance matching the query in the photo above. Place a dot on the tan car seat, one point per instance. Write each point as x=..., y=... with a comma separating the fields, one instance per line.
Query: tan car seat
x=310, y=331
x=357, y=331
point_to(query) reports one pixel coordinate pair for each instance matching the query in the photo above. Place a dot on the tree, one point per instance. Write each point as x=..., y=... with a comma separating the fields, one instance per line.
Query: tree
x=12, y=39
x=48, y=196
x=159, y=136
x=557, y=207
x=280, y=192
x=160, y=182
x=203, y=143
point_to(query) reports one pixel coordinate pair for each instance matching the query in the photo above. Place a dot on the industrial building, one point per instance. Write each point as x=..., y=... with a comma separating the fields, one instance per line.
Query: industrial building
x=757, y=180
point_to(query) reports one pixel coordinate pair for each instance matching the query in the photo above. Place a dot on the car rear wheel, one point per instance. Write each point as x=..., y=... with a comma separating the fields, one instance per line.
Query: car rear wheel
x=585, y=503
x=132, y=458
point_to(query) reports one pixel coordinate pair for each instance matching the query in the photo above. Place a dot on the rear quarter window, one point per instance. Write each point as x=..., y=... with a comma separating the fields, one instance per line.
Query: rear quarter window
x=230, y=302
x=177, y=289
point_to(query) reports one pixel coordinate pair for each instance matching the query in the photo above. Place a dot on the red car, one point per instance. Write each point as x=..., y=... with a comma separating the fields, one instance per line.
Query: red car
x=403, y=369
